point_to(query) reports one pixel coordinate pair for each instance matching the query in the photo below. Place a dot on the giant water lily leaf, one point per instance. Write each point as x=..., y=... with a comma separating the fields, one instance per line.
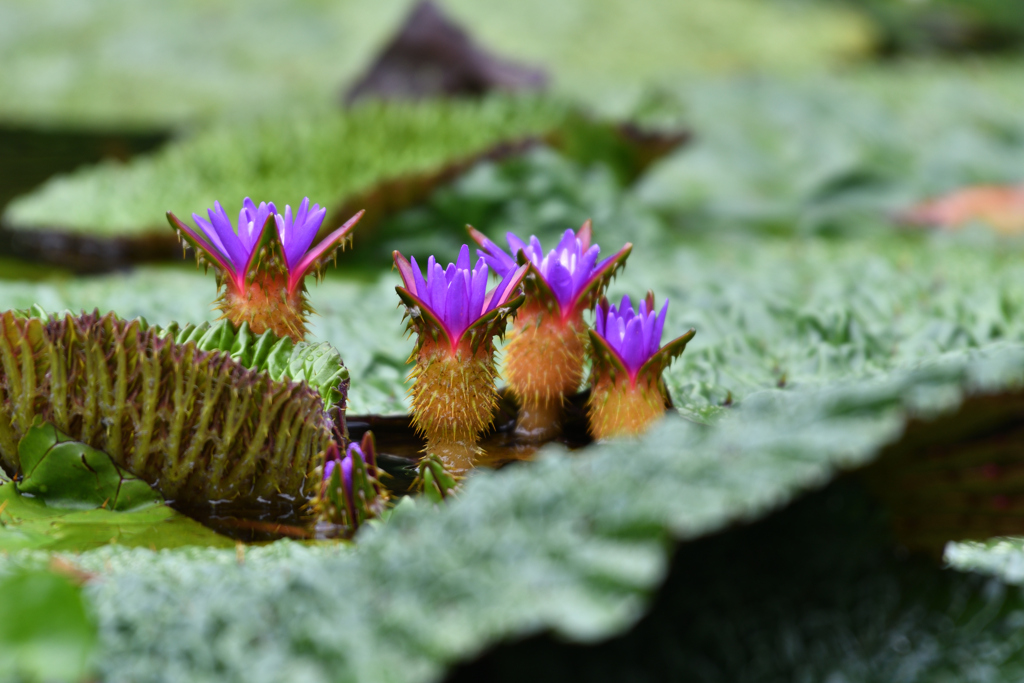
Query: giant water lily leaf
x=68, y=474
x=572, y=543
x=30, y=524
x=46, y=633
x=373, y=157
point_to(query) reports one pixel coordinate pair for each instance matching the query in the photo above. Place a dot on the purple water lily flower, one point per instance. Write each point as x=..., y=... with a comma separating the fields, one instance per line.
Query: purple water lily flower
x=634, y=336
x=454, y=298
x=233, y=250
x=570, y=271
x=631, y=339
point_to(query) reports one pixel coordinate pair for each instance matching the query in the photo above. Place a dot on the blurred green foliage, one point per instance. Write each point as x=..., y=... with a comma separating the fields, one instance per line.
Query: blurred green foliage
x=119, y=63
x=945, y=26
x=46, y=633
x=326, y=155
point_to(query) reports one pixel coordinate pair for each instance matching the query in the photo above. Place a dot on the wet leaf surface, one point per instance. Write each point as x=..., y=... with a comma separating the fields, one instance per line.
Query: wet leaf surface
x=68, y=474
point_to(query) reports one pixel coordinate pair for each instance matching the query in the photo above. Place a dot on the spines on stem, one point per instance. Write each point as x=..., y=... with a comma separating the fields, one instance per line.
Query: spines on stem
x=196, y=424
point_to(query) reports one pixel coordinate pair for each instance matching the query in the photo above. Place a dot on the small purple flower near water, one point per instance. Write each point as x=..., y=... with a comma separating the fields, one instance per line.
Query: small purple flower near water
x=346, y=463
x=262, y=262
x=455, y=297
x=634, y=335
x=350, y=492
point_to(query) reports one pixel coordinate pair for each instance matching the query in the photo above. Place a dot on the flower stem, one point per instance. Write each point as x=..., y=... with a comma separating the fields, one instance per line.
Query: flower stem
x=540, y=419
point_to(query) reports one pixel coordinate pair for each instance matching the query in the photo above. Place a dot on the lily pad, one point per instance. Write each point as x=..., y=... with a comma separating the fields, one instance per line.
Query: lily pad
x=29, y=523
x=68, y=474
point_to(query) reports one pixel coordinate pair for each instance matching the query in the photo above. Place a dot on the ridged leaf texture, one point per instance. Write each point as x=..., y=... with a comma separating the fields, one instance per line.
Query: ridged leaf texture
x=185, y=417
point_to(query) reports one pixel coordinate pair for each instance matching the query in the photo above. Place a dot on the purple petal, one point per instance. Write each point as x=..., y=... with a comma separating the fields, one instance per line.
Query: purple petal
x=659, y=327
x=584, y=269
x=516, y=245
x=478, y=291
x=647, y=322
x=346, y=473
x=223, y=233
x=418, y=282
x=499, y=291
x=329, y=469
x=535, y=252
x=449, y=273
x=599, y=319
x=559, y=279
x=455, y=314
x=632, y=345
x=626, y=308
x=437, y=286
x=300, y=233
x=567, y=243
x=462, y=263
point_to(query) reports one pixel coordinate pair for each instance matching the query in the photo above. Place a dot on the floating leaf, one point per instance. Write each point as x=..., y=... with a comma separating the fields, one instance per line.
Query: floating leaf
x=29, y=523
x=69, y=474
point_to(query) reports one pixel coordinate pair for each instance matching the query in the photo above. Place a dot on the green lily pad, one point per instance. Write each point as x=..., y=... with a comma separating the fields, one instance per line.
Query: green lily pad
x=29, y=523
x=69, y=474
x=46, y=633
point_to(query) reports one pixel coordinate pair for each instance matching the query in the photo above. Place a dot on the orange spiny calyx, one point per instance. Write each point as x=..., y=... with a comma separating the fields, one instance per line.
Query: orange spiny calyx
x=453, y=399
x=261, y=264
x=544, y=364
x=544, y=359
x=266, y=304
x=619, y=407
x=627, y=392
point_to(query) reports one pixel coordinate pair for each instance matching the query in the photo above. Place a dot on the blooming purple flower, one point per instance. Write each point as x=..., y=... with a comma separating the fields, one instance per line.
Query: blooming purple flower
x=568, y=270
x=456, y=296
x=635, y=337
x=233, y=249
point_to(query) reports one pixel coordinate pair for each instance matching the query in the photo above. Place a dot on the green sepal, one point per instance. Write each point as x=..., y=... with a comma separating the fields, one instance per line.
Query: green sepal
x=69, y=474
x=434, y=481
x=422, y=320
x=599, y=281
x=606, y=359
x=657, y=363
x=492, y=324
